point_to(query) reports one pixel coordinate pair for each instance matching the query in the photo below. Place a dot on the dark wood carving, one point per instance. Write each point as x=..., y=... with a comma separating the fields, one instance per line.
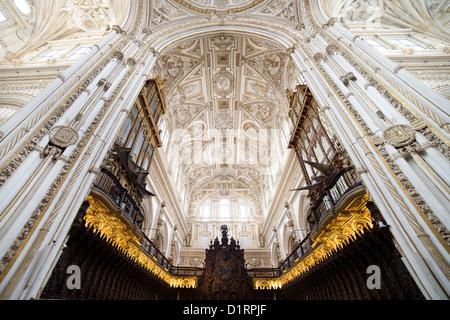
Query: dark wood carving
x=343, y=275
x=225, y=276
x=106, y=273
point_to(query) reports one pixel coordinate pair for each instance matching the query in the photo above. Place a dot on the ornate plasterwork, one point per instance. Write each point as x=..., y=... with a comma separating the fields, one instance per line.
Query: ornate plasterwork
x=410, y=146
x=8, y=169
x=419, y=125
x=214, y=6
x=399, y=135
x=32, y=36
x=201, y=103
x=426, y=16
x=344, y=226
x=13, y=164
x=225, y=95
x=115, y=229
x=62, y=136
x=169, y=11
x=358, y=11
x=223, y=83
x=75, y=20
x=347, y=77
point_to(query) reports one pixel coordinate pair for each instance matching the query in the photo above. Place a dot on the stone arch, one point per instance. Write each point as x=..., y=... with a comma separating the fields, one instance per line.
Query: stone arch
x=162, y=239
x=147, y=206
x=176, y=253
x=291, y=242
x=303, y=210
x=275, y=254
x=11, y=103
x=195, y=31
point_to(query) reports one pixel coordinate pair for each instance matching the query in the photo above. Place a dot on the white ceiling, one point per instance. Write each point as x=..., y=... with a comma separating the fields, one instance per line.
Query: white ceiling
x=226, y=107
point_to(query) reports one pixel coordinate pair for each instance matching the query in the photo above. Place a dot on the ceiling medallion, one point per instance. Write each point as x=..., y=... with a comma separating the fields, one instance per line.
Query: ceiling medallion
x=399, y=135
x=223, y=83
x=272, y=64
x=174, y=66
x=217, y=6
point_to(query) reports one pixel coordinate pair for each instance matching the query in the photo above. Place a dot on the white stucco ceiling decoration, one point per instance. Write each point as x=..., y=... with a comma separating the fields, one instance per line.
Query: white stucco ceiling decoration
x=209, y=6
x=167, y=11
x=56, y=21
x=426, y=16
x=226, y=107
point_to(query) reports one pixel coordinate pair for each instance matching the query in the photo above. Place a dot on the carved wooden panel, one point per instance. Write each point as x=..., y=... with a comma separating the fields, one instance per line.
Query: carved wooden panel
x=225, y=276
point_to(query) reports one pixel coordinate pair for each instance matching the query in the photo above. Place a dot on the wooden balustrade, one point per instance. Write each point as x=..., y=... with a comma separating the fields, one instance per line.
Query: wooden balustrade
x=108, y=273
x=108, y=183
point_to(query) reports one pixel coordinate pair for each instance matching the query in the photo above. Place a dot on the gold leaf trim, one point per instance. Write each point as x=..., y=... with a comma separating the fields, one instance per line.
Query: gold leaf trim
x=107, y=222
x=346, y=225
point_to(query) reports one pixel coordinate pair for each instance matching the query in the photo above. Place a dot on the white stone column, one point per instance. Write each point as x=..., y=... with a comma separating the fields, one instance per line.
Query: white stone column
x=59, y=186
x=423, y=254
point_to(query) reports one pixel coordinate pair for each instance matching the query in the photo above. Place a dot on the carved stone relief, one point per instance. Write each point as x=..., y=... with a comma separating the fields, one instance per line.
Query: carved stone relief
x=62, y=136
x=399, y=135
x=223, y=83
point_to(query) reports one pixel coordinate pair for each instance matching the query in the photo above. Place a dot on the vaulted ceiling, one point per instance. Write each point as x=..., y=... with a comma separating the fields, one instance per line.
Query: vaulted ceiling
x=225, y=92
x=226, y=106
x=167, y=10
x=47, y=22
x=429, y=17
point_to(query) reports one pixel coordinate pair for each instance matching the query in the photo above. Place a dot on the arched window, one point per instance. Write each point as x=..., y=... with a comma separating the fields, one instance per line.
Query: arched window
x=79, y=53
x=23, y=6
x=244, y=209
x=224, y=208
x=2, y=17
x=54, y=53
x=205, y=209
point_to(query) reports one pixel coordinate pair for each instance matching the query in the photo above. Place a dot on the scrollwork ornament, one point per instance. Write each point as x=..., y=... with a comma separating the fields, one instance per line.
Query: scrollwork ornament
x=223, y=83
x=319, y=56
x=399, y=135
x=62, y=136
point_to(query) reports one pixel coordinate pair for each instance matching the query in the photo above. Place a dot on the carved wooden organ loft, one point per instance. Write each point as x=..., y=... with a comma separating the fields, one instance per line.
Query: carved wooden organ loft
x=123, y=173
x=333, y=185
x=347, y=232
